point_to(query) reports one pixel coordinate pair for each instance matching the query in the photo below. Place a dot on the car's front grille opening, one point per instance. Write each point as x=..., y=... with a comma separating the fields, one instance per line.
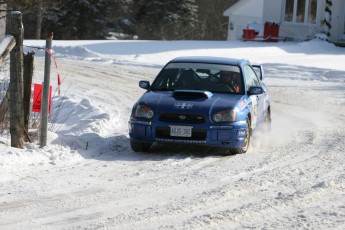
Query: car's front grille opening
x=182, y=118
x=197, y=134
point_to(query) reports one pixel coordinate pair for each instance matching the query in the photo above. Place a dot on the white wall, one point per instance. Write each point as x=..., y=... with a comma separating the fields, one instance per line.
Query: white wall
x=251, y=8
x=240, y=23
x=3, y=20
x=298, y=32
x=338, y=15
x=272, y=10
x=242, y=14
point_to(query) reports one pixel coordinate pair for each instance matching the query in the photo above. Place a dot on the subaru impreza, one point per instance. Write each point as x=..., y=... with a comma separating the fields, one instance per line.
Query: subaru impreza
x=211, y=101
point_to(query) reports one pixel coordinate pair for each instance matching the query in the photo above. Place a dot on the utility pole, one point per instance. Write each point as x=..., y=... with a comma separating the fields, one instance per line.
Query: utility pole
x=46, y=90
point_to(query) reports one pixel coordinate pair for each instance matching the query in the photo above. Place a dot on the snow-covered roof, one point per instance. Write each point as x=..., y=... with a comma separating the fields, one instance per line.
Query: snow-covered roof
x=252, y=8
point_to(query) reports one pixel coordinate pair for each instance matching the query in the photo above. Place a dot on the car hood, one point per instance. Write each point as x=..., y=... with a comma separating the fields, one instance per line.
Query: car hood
x=190, y=101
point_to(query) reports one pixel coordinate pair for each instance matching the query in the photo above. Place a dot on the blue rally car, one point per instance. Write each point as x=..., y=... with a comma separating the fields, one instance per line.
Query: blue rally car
x=208, y=101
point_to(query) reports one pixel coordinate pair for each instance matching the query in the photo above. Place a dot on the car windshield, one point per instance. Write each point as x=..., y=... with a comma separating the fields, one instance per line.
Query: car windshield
x=215, y=78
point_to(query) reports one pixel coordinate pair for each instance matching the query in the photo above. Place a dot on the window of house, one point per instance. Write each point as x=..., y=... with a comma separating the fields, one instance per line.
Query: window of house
x=301, y=11
x=289, y=10
x=312, y=11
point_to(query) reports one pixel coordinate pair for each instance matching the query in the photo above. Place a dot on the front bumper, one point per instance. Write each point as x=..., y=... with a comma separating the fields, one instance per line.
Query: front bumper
x=224, y=135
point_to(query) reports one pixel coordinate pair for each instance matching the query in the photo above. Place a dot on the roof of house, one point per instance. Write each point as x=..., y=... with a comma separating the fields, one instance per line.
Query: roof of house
x=241, y=7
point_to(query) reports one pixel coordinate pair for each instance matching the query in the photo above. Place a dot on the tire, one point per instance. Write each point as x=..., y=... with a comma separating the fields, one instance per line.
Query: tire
x=245, y=146
x=140, y=147
x=267, y=124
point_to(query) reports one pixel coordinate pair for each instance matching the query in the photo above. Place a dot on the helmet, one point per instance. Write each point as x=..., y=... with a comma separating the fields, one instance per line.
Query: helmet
x=225, y=75
x=231, y=79
x=229, y=76
x=235, y=77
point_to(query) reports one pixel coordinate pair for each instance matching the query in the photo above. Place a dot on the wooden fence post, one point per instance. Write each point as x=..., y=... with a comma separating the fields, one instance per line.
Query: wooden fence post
x=28, y=72
x=16, y=82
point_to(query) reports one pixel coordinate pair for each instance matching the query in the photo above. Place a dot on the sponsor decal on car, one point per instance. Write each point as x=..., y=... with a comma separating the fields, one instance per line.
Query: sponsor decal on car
x=243, y=104
x=242, y=133
x=254, y=110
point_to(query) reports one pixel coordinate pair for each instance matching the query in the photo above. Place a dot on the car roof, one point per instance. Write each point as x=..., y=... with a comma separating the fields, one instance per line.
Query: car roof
x=209, y=59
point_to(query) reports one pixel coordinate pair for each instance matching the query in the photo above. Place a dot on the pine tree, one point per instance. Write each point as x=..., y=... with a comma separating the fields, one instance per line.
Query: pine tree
x=149, y=19
x=79, y=19
x=161, y=19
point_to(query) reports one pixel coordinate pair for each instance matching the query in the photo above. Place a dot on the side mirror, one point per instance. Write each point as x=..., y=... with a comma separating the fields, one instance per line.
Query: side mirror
x=256, y=90
x=259, y=70
x=144, y=84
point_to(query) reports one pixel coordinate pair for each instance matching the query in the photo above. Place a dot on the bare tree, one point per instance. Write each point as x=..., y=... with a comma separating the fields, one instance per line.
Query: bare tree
x=39, y=19
x=34, y=12
x=212, y=24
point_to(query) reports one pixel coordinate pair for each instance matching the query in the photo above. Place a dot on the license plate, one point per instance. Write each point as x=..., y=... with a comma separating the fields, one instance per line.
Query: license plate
x=181, y=131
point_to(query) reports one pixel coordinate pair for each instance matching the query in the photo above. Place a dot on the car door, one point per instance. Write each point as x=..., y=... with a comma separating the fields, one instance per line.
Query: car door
x=258, y=101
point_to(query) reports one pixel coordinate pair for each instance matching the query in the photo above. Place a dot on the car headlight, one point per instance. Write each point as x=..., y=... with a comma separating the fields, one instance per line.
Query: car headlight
x=224, y=116
x=143, y=111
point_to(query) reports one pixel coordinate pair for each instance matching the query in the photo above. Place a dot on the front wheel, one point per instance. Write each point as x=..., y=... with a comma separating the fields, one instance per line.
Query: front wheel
x=268, y=120
x=140, y=147
x=245, y=146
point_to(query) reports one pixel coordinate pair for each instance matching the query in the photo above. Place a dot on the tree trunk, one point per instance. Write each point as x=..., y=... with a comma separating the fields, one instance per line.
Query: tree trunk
x=4, y=107
x=39, y=19
x=7, y=44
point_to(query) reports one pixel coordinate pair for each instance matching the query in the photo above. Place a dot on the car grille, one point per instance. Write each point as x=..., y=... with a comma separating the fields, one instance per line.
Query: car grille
x=182, y=118
x=197, y=134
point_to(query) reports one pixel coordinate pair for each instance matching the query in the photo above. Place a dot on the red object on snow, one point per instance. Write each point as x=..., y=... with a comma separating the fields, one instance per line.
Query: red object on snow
x=271, y=30
x=36, y=103
x=270, y=33
x=248, y=34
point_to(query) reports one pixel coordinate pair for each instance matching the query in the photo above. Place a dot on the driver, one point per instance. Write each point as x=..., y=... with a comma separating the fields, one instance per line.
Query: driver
x=231, y=80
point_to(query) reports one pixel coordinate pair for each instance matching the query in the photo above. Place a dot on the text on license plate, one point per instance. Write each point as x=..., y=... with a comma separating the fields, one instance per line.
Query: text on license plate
x=180, y=131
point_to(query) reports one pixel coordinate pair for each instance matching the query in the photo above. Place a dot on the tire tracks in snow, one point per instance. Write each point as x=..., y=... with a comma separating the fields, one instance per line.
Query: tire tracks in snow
x=274, y=185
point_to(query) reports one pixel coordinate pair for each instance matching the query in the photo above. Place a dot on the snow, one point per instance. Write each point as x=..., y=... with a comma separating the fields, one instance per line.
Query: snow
x=87, y=176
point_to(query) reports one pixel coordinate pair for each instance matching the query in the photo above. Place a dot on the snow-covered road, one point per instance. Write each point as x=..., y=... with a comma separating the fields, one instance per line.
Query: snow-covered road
x=88, y=178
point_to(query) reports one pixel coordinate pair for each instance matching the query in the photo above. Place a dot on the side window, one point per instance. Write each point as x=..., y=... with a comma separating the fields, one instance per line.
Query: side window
x=251, y=78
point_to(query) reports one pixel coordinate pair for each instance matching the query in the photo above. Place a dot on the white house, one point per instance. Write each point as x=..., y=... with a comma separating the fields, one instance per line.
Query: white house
x=297, y=19
x=2, y=20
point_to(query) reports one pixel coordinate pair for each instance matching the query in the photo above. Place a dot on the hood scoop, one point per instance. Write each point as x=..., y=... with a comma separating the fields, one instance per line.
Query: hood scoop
x=192, y=94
